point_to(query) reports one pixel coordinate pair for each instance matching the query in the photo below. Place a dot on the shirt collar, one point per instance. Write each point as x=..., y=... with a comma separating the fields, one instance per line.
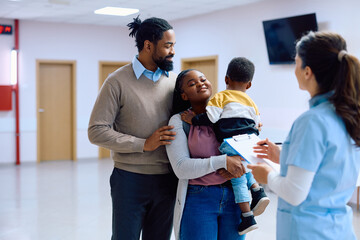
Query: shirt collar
x=318, y=99
x=140, y=69
x=165, y=72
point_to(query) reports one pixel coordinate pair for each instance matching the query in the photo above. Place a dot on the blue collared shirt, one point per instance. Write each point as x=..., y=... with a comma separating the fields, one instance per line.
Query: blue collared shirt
x=140, y=69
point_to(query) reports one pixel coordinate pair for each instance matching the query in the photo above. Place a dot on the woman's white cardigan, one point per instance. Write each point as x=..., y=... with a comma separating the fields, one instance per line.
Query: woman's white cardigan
x=187, y=168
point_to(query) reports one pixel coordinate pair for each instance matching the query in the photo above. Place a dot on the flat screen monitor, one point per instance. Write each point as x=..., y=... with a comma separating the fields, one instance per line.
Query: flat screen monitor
x=281, y=35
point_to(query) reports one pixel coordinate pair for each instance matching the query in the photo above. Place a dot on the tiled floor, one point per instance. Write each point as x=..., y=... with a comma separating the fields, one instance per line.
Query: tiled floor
x=66, y=200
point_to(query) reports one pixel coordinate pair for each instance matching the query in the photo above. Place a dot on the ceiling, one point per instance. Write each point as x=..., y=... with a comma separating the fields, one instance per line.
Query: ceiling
x=82, y=11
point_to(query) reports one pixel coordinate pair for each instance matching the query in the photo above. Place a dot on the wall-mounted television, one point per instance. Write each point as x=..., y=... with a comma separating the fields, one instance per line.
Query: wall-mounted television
x=281, y=35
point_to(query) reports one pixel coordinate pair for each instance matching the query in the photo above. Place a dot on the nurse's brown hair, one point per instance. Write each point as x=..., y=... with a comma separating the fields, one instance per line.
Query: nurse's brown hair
x=337, y=71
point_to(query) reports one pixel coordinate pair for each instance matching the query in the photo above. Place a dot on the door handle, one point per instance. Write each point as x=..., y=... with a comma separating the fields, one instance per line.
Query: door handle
x=41, y=110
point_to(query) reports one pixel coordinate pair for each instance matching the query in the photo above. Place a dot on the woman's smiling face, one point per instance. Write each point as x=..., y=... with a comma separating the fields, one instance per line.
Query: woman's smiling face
x=196, y=87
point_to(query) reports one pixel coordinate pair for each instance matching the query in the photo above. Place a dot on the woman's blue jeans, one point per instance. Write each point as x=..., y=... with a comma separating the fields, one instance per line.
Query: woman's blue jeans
x=210, y=213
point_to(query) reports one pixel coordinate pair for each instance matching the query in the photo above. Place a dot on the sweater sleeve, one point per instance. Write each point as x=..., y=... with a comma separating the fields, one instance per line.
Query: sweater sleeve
x=293, y=188
x=100, y=130
x=179, y=156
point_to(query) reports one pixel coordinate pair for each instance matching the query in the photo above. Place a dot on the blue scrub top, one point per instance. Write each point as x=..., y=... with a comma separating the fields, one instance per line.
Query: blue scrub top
x=318, y=142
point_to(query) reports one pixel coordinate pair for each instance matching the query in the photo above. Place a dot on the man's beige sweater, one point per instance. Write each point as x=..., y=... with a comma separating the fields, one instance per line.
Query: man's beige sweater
x=127, y=111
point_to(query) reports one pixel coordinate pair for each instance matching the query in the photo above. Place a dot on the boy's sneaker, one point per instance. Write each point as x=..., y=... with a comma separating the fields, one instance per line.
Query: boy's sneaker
x=247, y=224
x=259, y=201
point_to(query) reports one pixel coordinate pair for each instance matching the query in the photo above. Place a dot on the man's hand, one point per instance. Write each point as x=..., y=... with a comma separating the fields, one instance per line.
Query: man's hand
x=187, y=116
x=235, y=166
x=162, y=136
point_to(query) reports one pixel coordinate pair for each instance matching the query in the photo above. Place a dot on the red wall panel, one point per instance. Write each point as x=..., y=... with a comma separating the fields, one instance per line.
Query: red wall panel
x=5, y=98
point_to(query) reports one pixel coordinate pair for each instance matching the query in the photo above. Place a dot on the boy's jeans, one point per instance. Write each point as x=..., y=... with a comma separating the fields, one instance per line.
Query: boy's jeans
x=242, y=184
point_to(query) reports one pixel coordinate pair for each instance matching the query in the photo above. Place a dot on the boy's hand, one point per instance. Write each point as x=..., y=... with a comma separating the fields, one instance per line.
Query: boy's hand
x=187, y=116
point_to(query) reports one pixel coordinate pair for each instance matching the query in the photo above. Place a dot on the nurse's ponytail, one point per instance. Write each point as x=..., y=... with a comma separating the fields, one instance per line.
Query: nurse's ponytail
x=335, y=70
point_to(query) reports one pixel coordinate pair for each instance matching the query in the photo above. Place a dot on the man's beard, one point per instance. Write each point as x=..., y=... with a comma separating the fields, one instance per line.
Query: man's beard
x=164, y=64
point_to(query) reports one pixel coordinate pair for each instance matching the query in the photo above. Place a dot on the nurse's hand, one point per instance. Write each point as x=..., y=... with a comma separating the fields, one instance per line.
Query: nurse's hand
x=267, y=149
x=260, y=172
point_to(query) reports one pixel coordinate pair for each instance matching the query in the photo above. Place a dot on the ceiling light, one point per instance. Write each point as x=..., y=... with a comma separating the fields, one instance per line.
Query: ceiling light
x=116, y=11
x=59, y=2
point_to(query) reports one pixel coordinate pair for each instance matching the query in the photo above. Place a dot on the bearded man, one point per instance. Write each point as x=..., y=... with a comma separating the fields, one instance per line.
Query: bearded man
x=130, y=118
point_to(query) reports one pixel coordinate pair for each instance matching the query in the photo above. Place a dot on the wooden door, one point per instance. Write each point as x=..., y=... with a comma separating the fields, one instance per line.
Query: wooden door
x=56, y=130
x=207, y=65
x=105, y=68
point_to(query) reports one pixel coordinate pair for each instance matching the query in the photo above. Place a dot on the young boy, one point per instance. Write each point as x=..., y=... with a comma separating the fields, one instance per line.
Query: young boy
x=233, y=112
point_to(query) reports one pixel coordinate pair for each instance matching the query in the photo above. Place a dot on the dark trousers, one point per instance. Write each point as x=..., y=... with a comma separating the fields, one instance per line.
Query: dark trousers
x=142, y=203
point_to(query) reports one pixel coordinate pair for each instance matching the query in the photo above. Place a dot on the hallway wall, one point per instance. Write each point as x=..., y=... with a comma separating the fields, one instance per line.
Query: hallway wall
x=239, y=32
x=87, y=45
x=227, y=33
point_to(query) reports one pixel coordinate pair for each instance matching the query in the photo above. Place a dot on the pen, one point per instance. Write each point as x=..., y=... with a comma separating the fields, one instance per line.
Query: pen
x=277, y=143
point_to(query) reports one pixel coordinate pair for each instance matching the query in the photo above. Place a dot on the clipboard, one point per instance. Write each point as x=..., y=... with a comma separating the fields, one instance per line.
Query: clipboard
x=243, y=144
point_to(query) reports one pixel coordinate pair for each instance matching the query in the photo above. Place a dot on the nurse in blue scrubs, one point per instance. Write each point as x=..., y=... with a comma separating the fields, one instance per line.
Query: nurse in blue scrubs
x=320, y=158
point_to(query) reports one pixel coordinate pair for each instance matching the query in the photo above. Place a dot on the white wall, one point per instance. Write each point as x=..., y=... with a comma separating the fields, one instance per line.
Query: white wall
x=239, y=32
x=7, y=118
x=87, y=45
x=6, y=44
x=228, y=33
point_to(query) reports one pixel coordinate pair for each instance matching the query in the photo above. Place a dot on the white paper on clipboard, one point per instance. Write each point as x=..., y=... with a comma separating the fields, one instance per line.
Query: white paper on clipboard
x=243, y=144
